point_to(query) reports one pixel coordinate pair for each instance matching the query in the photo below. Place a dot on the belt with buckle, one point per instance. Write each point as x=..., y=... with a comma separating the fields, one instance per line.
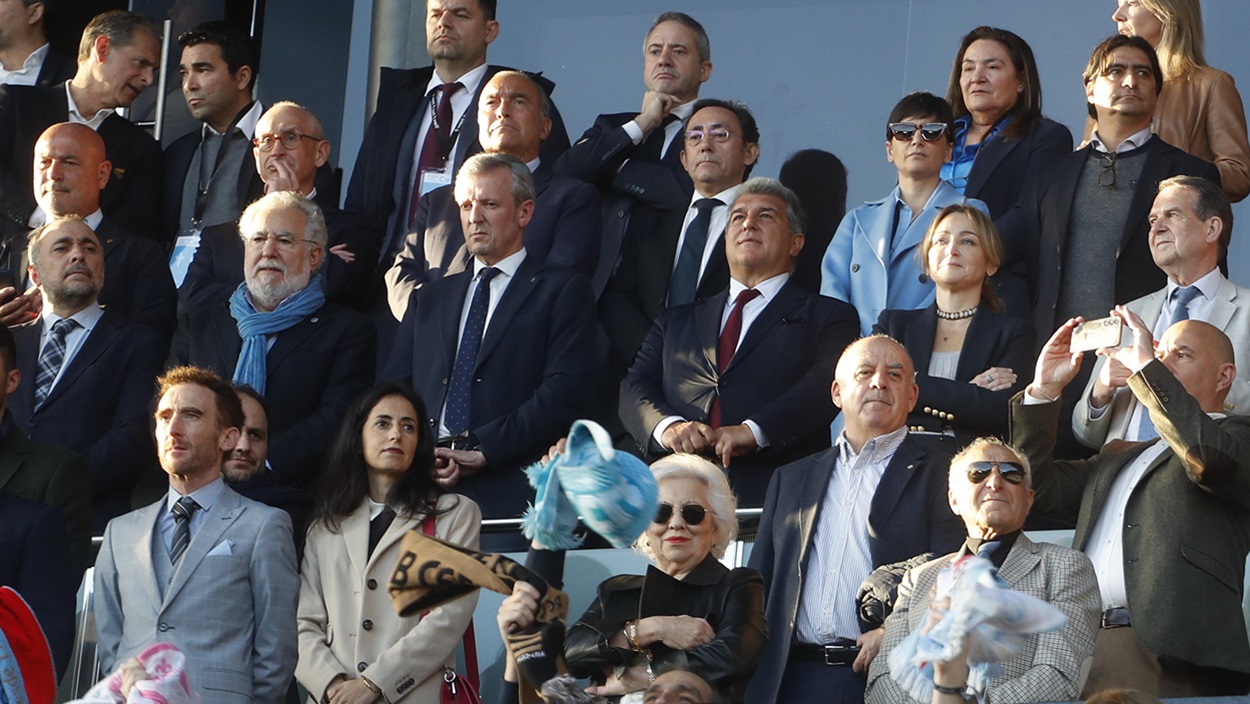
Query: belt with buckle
x=834, y=654
x=1116, y=617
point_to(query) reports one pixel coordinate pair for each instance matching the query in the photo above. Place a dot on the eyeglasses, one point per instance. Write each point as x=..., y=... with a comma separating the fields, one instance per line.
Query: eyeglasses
x=1106, y=177
x=716, y=134
x=290, y=140
x=692, y=514
x=284, y=242
x=929, y=131
x=1011, y=472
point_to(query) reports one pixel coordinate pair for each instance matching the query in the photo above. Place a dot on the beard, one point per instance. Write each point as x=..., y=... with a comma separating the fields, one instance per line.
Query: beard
x=269, y=294
x=75, y=294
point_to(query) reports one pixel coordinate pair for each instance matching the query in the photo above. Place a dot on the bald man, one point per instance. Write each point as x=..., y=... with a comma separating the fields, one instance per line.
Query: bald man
x=70, y=170
x=1166, y=522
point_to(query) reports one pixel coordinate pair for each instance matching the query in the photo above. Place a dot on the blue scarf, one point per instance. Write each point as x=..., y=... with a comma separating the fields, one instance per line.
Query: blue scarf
x=254, y=327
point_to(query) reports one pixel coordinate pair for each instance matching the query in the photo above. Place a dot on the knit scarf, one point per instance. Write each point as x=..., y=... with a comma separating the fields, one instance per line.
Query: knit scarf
x=255, y=326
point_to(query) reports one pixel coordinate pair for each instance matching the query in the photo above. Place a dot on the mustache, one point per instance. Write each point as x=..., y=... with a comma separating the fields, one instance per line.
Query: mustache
x=76, y=268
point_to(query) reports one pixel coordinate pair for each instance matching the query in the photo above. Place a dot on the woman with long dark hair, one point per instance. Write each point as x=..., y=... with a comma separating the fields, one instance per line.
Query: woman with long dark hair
x=378, y=485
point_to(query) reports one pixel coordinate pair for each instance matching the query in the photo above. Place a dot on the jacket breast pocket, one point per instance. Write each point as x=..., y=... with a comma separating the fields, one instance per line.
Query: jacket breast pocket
x=1212, y=567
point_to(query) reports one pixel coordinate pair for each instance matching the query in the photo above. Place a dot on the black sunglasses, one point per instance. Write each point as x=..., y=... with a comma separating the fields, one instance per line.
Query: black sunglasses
x=692, y=514
x=1011, y=472
x=929, y=131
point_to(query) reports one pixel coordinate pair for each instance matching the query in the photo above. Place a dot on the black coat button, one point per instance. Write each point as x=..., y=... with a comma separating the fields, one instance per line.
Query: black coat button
x=372, y=584
x=362, y=666
x=163, y=627
x=367, y=625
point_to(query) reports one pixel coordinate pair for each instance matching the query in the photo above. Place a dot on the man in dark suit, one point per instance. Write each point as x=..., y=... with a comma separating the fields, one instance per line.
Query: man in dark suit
x=288, y=150
x=634, y=158
x=91, y=369
x=742, y=374
x=674, y=257
x=409, y=148
x=505, y=354
x=514, y=117
x=117, y=58
x=1165, y=521
x=877, y=496
x=26, y=58
x=70, y=171
x=34, y=562
x=41, y=472
x=279, y=335
x=209, y=176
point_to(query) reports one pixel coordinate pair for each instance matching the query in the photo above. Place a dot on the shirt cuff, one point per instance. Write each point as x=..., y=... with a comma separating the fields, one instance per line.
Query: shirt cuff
x=658, y=433
x=634, y=131
x=1093, y=412
x=1031, y=400
x=761, y=440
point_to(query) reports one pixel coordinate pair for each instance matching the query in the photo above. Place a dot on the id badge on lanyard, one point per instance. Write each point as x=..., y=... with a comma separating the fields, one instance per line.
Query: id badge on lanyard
x=434, y=178
x=184, y=252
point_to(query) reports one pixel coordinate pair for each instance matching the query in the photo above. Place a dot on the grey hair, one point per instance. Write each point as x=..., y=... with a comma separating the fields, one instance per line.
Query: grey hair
x=36, y=235
x=721, y=497
x=701, y=43
x=479, y=164
x=762, y=186
x=315, y=227
x=961, y=458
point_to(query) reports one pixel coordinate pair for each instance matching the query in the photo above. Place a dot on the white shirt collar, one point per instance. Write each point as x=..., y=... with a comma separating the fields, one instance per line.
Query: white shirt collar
x=34, y=62
x=470, y=80
x=246, y=124
x=768, y=288
x=1131, y=142
x=205, y=496
x=726, y=196
x=533, y=164
x=94, y=121
x=1208, y=284
x=507, y=266
x=87, y=317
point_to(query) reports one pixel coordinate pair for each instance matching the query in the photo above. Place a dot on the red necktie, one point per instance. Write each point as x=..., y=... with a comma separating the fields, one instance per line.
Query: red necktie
x=729, y=344
x=433, y=154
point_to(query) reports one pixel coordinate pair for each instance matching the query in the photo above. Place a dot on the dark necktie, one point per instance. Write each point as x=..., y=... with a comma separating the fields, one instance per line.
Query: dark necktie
x=51, y=357
x=1181, y=298
x=653, y=146
x=433, y=152
x=987, y=549
x=729, y=344
x=378, y=526
x=685, y=281
x=456, y=416
x=182, y=510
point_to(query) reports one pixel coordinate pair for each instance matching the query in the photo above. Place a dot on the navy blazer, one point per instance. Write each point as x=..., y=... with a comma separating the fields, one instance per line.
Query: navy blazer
x=993, y=340
x=132, y=195
x=99, y=407
x=536, y=371
x=779, y=378
x=34, y=561
x=909, y=515
x=314, y=370
x=380, y=188
x=564, y=231
x=56, y=68
x=1040, y=227
x=178, y=158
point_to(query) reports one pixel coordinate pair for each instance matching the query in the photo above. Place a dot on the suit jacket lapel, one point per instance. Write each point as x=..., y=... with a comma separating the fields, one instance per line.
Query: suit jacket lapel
x=449, y=316
x=99, y=340
x=28, y=361
x=1152, y=172
x=787, y=301
x=1022, y=559
x=394, y=533
x=990, y=155
x=898, y=473
x=707, y=319
x=510, y=303
x=1224, y=305
x=815, y=486
x=290, y=339
x=354, y=532
x=220, y=517
x=14, y=453
x=923, y=328
x=972, y=358
x=143, y=555
x=1094, y=501
x=1067, y=174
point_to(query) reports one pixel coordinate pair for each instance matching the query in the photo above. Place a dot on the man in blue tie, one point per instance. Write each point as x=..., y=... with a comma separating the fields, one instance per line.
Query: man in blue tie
x=506, y=352
x=1191, y=223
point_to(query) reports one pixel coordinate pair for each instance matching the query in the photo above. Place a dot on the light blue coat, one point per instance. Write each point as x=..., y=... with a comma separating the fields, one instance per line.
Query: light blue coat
x=858, y=269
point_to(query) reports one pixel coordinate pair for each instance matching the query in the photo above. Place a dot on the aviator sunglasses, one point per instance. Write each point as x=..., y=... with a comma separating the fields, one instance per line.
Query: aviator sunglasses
x=929, y=131
x=692, y=514
x=1012, y=472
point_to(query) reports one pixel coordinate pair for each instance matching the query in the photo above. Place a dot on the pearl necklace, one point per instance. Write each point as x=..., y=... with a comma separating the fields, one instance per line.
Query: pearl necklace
x=957, y=315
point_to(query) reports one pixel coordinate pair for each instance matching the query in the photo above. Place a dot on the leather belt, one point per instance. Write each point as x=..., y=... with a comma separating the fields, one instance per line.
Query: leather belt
x=843, y=652
x=1116, y=617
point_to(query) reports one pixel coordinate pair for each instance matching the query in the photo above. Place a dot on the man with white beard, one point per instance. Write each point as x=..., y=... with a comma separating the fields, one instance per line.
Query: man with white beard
x=279, y=335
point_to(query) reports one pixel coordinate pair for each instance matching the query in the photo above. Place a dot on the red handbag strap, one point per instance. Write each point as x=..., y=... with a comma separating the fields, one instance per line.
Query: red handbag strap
x=470, y=638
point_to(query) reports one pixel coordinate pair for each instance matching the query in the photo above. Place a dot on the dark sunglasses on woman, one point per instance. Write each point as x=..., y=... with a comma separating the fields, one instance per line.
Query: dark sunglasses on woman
x=929, y=131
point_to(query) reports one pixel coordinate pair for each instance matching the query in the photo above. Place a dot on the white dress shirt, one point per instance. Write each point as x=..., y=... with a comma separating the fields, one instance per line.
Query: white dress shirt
x=671, y=130
x=94, y=121
x=1133, y=141
x=74, y=339
x=28, y=73
x=460, y=101
x=720, y=218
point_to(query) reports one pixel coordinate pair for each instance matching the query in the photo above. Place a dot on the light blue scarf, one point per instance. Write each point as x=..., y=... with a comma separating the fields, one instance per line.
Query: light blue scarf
x=254, y=327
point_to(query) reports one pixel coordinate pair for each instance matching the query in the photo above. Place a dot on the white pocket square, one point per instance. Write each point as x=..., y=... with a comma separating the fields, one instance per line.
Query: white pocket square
x=222, y=548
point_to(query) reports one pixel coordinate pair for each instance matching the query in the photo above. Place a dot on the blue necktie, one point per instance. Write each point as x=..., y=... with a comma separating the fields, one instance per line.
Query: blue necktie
x=685, y=281
x=51, y=358
x=456, y=416
x=1180, y=311
x=182, y=510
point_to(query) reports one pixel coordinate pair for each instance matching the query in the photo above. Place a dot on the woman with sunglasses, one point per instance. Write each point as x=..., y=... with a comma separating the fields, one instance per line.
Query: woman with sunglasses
x=689, y=611
x=1001, y=141
x=871, y=261
x=970, y=357
x=378, y=485
x=1199, y=110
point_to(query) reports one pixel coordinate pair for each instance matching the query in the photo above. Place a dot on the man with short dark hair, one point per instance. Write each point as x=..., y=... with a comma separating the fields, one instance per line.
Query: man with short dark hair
x=26, y=58
x=174, y=570
x=634, y=157
x=423, y=129
x=90, y=369
x=279, y=334
x=117, y=60
x=759, y=401
x=505, y=353
x=514, y=117
x=878, y=496
x=209, y=175
x=1191, y=224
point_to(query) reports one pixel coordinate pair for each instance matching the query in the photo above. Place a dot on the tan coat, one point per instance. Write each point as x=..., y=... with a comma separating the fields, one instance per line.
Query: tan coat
x=340, y=592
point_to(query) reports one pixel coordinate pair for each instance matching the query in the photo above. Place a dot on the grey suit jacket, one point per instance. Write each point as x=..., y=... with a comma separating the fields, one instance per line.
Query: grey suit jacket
x=1230, y=312
x=230, y=604
x=1049, y=666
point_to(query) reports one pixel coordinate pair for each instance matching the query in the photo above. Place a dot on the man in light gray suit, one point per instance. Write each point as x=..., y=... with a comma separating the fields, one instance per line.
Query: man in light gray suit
x=203, y=568
x=1191, y=223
